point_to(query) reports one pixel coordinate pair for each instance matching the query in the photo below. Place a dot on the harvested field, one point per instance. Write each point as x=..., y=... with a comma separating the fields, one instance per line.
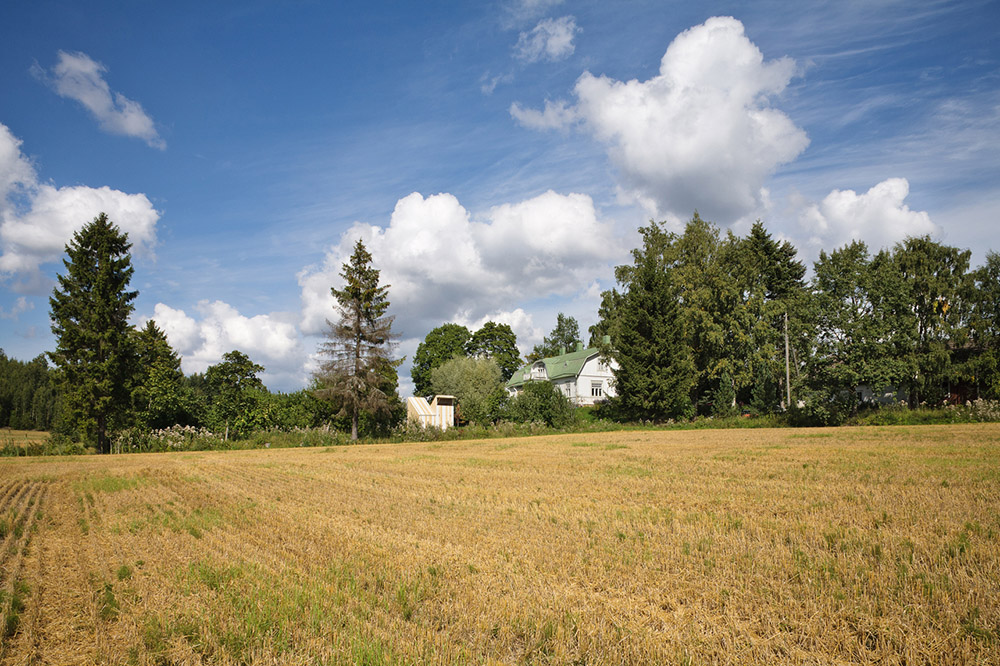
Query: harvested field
x=21, y=438
x=875, y=545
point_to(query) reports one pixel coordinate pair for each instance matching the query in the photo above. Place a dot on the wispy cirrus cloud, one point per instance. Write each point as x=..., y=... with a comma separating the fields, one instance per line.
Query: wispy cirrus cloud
x=519, y=12
x=20, y=306
x=550, y=40
x=78, y=77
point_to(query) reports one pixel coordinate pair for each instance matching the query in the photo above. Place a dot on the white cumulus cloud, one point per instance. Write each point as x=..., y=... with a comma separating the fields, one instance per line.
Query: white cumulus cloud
x=77, y=76
x=701, y=134
x=37, y=220
x=551, y=39
x=521, y=322
x=880, y=217
x=443, y=265
x=271, y=340
x=16, y=171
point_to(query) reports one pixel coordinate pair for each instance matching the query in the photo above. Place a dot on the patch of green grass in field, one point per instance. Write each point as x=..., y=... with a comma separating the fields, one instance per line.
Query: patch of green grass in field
x=108, y=606
x=12, y=614
x=107, y=483
x=418, y=457
x=486, y=463
x=194, y=522
x=212, y=576
x=254, y=611
x=628, y=469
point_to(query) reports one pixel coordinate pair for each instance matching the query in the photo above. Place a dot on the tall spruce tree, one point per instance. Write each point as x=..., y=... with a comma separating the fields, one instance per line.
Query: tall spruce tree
x=90, y=307
x=359, y=346
x=655, y=371
x=770, y=285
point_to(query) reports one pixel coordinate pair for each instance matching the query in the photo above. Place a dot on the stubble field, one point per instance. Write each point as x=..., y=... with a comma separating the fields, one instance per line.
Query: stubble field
x=14, y=438
x=875, y=545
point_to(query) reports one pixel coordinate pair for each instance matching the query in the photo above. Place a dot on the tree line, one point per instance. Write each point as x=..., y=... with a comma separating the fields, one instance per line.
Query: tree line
x=111, y=379
x=702, y=323
x=28, y=399
x=699, y=323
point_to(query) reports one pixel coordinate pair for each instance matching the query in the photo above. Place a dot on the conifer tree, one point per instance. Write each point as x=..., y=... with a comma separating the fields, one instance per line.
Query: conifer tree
x=90, y=307
x=359, y=346
x=655, y=371
x=159, y=398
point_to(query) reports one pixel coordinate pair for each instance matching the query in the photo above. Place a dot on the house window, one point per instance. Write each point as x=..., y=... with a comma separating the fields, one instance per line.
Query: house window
x=596, y=389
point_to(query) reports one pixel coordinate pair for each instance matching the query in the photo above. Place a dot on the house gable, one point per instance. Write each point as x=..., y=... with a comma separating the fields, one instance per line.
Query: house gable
x=580, y=375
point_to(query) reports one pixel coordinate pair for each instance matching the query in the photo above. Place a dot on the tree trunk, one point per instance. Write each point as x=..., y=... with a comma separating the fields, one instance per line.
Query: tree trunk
x=102, y=435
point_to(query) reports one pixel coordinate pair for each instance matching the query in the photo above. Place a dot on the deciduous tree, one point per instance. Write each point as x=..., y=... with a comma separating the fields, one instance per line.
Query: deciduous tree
x=496, y=341
x=985, y=325
x=238, y=396
x=937, y=282
x=476, y=382
x=563, y=338
x=442, y=344
x=541, y=401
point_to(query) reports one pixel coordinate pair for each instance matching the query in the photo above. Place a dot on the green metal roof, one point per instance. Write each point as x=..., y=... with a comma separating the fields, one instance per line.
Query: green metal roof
x=556, y=367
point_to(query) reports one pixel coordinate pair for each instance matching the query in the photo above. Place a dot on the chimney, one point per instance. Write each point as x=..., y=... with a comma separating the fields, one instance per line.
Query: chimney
x=579, y=346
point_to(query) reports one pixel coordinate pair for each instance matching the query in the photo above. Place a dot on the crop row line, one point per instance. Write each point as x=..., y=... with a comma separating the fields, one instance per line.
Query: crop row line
x=14, y=591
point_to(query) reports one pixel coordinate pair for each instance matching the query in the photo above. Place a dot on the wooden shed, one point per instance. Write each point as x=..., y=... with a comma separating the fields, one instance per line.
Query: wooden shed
x=439, y=412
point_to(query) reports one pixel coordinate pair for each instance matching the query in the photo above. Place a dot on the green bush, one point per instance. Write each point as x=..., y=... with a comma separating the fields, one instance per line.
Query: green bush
x=541, y=402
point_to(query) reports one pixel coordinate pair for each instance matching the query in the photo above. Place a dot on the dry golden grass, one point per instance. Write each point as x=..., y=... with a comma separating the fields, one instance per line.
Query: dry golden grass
x=878, y=545
x=10, y=437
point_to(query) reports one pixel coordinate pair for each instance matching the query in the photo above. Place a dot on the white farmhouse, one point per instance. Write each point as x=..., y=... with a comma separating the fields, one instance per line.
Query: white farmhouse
x=580, y=375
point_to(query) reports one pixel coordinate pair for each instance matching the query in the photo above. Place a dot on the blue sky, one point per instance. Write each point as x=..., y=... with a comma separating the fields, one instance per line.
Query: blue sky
x=496, y=157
